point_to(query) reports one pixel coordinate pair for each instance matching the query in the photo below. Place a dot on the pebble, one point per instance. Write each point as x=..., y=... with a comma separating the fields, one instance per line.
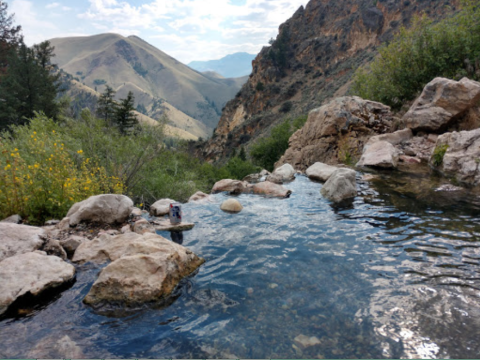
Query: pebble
x=273, y=286
x=250, y=291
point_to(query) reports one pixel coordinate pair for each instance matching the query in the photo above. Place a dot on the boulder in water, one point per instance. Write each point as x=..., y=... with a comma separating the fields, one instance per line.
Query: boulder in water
x=198, y=196
x=270, y=189
x=161, y=207
x=320, y=171
x=107, y=209
x=230, y=186
x=149, y=275
x=284, y=173
x=380, y=154
x=19, y=239
x=231, y=205
x=31, y=273
x=340, y=186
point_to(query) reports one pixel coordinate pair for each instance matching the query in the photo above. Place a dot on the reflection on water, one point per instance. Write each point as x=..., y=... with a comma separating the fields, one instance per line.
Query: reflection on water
x=395, y=273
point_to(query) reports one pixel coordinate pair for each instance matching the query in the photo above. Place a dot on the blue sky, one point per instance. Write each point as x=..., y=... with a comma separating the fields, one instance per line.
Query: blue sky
x=185, y=29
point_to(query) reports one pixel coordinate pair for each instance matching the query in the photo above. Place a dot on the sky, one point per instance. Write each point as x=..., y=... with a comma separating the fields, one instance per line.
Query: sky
x=185, y=29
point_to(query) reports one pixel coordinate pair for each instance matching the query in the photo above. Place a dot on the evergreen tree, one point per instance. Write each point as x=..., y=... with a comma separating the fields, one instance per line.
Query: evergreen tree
x=242, y=155
x=10, y=36
x=28, y=86
x=125, y=118
x=106, y=106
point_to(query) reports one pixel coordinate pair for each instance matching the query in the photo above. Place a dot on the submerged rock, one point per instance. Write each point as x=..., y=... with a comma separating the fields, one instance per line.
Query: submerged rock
x=108, y=209
x=320, y=171
x=231, y=186
x=304, y=341
x=161, y=207
x=19, y=239
x=440, y=102
x=270, y=189
x=144, y=277
x=31, y=273
x=340, y=186
x=198, y=196
x=231, y=205
x=462, y=156
x=53, y=348
x=380, y=154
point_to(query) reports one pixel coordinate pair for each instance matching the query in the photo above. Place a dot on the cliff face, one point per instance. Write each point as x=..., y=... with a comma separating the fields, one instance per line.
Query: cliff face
x=311, y=61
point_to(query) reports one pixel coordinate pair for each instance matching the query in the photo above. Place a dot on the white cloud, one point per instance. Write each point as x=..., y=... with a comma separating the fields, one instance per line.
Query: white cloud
x=34, y=29
x=52, y=5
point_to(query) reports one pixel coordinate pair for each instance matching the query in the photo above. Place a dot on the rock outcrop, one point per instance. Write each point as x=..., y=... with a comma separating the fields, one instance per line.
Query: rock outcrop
x=145, y=269
x=31, y=273
x=161, y=207
x=107, y=209
x=380, y=154
x=340, y=186
x=461, y=156
x=342, y=126
x=231, y=205
x=441, y=102
x=320, y=171
x=311, y=61
x=19, y=239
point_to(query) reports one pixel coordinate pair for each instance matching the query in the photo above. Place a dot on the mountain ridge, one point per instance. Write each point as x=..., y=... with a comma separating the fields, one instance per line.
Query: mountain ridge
x=230, y=66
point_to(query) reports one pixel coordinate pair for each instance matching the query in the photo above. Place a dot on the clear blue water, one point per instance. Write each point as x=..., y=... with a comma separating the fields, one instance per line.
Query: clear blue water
x=394, y=273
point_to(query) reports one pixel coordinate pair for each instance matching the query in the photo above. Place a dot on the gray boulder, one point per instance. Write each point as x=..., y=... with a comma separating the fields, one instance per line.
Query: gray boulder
x=108, y=209
x=19, y=239
x=462, y=156
x=53, y=247
x=340, y=186
x=161, y=207
x=14, y=219
x=320, y=171
x=380, y=154
x=31, y=273
x=285, y=172
x=440, y=102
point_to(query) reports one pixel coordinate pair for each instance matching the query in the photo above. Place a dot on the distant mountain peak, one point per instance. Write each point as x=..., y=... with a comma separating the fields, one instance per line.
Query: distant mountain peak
x=230, y=66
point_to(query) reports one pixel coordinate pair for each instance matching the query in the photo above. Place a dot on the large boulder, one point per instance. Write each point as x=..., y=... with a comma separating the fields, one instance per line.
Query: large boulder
x=340, y=127
x=340, y=186
x=231, y=205
x=461, y=157
x=31, y=273
x=320, y=171
x=161, y=207
x=380, y=154
x=285, y=172
x=19, y=239
x=441, y=101
x=269, y=189
x=108, y=209
x=145, y=275
x=231, y=186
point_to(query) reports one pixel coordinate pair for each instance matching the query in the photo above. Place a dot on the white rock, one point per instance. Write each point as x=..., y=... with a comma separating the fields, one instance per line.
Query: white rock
x=14, y=219
x=380, y=154
x=161, y=207
x=53, y=247
x=340, y=186
x=107, y=209
x=286, y=171
x=71, y=243
x=136, y=212
x=320, y=171
x=31, y=273
x=305, y=341
x=19, y=239
x=229, y=185
x=142, y=226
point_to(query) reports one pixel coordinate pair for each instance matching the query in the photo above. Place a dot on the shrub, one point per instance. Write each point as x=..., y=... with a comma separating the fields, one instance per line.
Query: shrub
x=418, y=54
x=40, y=177
x=438, y=154
x=260, y=86
x=286, y=107
x=267, y=151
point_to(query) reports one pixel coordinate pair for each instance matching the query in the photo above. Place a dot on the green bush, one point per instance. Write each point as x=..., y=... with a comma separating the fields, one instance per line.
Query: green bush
x=449, y=48
x=267, y=151
x=438, y=154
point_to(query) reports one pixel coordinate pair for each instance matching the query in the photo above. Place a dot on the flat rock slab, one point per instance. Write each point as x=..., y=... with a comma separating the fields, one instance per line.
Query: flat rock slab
x=320, y=171
x=19, y=239
x=31, y=273
x=380, y=154
x=165, y=225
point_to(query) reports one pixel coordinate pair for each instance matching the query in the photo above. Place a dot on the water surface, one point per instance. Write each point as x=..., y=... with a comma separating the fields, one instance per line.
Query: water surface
x=393, y=273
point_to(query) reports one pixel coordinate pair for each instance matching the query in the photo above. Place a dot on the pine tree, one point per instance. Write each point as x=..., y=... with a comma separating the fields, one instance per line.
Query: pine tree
x=242, y=155
x=106, y=106
x=125, y=118
x=10, y=36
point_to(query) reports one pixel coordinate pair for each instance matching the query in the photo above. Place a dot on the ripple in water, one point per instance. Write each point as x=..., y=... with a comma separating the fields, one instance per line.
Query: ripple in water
x=395, y=273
